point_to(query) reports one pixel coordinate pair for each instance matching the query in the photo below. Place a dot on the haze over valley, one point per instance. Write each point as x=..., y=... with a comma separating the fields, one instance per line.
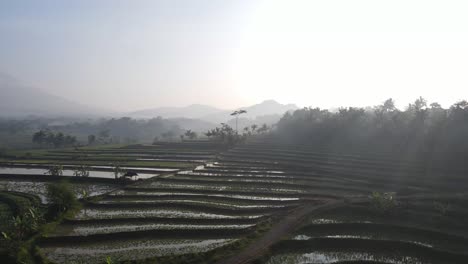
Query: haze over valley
x=234, y=132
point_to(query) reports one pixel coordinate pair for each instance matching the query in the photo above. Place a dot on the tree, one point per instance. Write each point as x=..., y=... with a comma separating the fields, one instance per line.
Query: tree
x=21, y=227
x=104, y=136
x=435, y=105
x=383, y=203
x=190, y=134
x=47, y=137
x=55, y=170
x=70, y=140
x=91, y=139
x=254, y=128
x=237, y=113
x=39, y=137
x=81, y=171
x=168, y=135
x=61, y=197
x=389, y=105
x=263, y=129
x=118, y=171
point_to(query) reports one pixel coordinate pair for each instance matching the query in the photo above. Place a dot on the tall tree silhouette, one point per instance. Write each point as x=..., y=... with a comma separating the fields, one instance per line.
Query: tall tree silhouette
x=237, y=113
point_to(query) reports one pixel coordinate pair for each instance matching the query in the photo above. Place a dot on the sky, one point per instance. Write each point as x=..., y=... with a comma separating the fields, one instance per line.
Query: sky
x=131, y=55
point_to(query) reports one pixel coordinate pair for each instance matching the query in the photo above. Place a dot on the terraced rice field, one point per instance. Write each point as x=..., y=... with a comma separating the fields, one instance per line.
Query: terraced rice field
x=204, y=197
x=348, y=228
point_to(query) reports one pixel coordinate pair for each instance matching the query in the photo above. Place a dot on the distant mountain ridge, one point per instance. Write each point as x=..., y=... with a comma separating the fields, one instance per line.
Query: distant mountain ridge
x=17, y=100
x=215, y=115
x=194, y=111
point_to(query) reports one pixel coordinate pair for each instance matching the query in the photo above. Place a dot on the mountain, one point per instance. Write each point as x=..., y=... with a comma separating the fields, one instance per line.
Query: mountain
x=268, y=112
x=195, y=111
x=17, y=100
x=269, y=109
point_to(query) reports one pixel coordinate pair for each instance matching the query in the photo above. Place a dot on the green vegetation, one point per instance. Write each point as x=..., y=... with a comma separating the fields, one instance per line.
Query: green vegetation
x=82, y=171
x=22, y=216
x=258, y=186
x=47, y=138
x=61, y=198
x=383, y=203
x=55, y=170
x=422, y=128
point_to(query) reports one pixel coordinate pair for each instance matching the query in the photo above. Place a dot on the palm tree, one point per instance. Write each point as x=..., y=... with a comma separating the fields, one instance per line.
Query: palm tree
x=237, y=113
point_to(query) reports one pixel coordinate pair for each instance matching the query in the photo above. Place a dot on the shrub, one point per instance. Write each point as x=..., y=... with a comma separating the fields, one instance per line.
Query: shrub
x=81, y=171
x=61, y=197
x=55, y=170
x=383, y=203
x=22, y=227
x=442, y=208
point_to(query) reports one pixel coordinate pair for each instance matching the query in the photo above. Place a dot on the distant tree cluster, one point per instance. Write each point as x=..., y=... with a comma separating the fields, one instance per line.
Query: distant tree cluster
x=255, y=129
x=229, y=136
x=49, y=138
x=190, y=134
x=224, y=134
x=421, y=127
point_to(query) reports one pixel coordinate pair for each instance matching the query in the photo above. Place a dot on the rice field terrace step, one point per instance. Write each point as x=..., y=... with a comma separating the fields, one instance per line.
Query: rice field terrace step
x=226, y=177
x=214, y=203
x=193, y=207
x=130, y=250
x=165, y=220
x=156, y=191
x=123, y=197
x=132, y=153
x=149, y=169
x=328, y=157
x=273, y=187
x=400, y=177
x=107, y=213
x=160, y=234
x=427, y=254
x=297, y=150
x=108, y=228
x=50, y=178
x=317, y=162
x=112, y=158
x=429, y=237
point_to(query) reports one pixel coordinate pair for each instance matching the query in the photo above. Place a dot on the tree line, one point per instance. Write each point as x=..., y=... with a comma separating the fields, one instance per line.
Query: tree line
x=419, y=128
x=49, y=138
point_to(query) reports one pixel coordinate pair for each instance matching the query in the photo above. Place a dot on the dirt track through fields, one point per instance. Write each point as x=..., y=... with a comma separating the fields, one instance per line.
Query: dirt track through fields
x=279, y=230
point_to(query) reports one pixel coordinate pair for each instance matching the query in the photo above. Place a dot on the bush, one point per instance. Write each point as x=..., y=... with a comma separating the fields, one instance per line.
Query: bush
x=55, y=170
x=21, y=228
x=383, y=203
x=61, y=197
x=442, y=208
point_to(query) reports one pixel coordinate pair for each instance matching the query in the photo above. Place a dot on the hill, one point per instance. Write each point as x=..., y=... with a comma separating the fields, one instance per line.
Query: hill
x=268, y=110
x=18, y=100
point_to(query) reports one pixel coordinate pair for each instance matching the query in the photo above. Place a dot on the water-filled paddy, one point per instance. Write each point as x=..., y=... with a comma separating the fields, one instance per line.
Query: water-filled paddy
x=89, y=229
x=40, y=188
x=332, y=257
x=130, y=250
x=68, y=172
x=130, y=213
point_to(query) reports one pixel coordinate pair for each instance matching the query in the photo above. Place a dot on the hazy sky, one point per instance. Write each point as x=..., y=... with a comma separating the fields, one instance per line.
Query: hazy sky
x=130, y=55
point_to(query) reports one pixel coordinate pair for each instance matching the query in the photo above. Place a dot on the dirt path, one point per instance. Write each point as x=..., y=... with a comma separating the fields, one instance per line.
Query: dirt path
x=281, y=229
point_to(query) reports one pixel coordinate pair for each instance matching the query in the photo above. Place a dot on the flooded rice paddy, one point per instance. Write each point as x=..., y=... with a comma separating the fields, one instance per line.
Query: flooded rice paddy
x=40, y=188
x=332, y=257
x=131, y=213
x=130, y=250
x=84, y=230
x=42, y=172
